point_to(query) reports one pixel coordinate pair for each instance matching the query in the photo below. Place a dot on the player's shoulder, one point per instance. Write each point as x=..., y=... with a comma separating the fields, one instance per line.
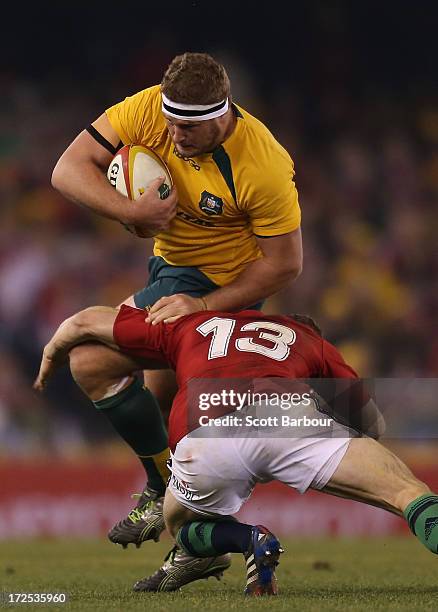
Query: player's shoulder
x=138, y=118
x=262, y=168
x=144, y=97
x=145, y=100
x=260, y=143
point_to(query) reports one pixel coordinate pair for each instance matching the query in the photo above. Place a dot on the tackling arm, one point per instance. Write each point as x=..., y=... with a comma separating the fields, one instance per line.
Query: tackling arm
x=95, y=323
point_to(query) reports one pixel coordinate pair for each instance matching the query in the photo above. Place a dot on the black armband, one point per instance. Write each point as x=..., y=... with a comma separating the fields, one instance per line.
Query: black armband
x=103, y=141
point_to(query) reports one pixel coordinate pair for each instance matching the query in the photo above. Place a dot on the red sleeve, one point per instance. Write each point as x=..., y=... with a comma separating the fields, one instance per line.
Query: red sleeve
x=334, y=365
x=136, y=337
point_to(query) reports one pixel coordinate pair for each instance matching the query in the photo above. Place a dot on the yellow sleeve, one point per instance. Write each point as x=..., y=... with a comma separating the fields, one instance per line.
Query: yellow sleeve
x=273, y=207
x=135, y=118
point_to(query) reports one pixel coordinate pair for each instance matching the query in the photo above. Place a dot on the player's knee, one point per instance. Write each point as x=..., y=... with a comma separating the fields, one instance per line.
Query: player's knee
x=175, y=516
x=174, y=522
x=86, y=367
x=297, y=270
x=79, y=362
x=172, y=527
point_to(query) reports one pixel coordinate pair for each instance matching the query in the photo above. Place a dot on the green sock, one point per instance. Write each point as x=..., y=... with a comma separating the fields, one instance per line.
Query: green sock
x=209, y=539
x=422, y=517
x=136, y=416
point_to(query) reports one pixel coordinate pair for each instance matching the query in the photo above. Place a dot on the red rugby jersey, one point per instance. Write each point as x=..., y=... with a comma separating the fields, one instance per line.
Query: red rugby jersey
x=216, y=345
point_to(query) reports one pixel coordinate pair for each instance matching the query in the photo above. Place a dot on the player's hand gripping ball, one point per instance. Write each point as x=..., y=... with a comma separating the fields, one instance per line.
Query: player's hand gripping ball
x=131, y=171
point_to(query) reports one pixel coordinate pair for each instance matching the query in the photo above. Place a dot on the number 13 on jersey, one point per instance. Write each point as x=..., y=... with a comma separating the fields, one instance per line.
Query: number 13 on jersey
x=280, y=336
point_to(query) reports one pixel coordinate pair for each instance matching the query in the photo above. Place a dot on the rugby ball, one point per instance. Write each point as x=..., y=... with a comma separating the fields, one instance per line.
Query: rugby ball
x=131, y=170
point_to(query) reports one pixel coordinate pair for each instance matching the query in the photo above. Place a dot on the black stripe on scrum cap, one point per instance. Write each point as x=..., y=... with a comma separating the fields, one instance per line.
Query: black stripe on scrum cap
x=193, y=113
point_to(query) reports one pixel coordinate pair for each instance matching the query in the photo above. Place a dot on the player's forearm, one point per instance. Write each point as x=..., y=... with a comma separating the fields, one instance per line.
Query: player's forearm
x=68, y=334
x=56, y=350
x=95, y=323
x=259, y=280
x=84, y=183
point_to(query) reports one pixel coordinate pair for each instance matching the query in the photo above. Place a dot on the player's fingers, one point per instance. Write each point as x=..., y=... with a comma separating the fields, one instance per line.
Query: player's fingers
x=159, y=317
x=166, y=306
x=168, y=314
x=172, y=198
x=153, y=315
x=172, y=319
x=171, y=310
x=40, y=381
x=37, y=384
x=163, y=301
x=156, y=183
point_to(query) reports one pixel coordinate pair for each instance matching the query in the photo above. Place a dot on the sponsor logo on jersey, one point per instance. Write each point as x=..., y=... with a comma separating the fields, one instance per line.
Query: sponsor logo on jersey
x=186, y=217
x=189, y=160
x=211, y=204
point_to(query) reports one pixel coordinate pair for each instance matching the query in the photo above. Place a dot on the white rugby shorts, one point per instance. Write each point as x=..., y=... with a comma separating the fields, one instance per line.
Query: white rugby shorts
x=217, y=475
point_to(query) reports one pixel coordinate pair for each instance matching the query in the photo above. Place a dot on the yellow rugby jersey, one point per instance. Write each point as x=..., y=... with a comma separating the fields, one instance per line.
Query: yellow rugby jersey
x=244, y=188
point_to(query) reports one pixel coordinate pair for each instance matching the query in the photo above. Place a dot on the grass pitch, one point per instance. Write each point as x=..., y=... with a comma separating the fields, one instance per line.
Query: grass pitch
x=322, y=574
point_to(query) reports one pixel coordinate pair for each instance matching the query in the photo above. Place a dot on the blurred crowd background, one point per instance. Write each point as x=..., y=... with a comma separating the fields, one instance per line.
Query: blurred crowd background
x=348, y=88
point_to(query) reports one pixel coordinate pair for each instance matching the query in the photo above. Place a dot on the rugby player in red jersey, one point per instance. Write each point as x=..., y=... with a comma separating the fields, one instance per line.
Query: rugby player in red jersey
x=212, y=477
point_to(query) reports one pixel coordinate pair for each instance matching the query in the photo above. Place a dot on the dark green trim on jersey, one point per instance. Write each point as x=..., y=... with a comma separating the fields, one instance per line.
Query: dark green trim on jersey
x=222, y=161
x=236, y=111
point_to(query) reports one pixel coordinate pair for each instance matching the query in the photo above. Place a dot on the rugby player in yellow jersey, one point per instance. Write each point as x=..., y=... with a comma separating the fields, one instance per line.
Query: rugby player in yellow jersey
x=227, y=237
